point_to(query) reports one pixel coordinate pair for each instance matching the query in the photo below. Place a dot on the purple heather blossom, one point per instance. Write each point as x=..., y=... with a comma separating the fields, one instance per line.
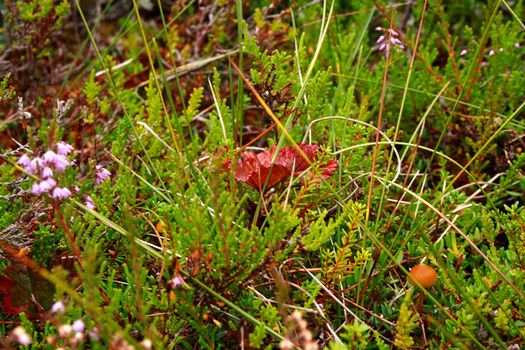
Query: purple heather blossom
x=58, y=307
x=89, y=203
x=463, y=53
x=64, y=148
x=35, y=165
x=517, y=45
x=20, y=335
x=47, y=184
x=93, y=335
x=78, y=337
x=43, y=186
x=36, y=190
x=146, y=343
x=75, y=188
x=59, y=161
x=64, y=330
x=176, y=282
x=46, y=172
x=49, y=157
x=61, y=193
x=102, y=174
x=78, y=326
x=24, y=160
x=389, y=40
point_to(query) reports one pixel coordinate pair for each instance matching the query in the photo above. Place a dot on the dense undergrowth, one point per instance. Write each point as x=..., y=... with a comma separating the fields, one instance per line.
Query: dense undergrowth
x=210, y=174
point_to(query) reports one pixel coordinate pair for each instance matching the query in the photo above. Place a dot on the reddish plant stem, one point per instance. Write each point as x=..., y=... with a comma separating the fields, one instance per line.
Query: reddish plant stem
x=376, y=147
x=68, y=233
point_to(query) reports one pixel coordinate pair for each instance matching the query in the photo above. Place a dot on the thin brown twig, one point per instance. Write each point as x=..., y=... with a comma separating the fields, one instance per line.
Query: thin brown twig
x=68, y=233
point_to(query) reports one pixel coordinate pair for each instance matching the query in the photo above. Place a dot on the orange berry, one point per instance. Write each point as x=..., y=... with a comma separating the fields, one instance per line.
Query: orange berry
x=425, y=275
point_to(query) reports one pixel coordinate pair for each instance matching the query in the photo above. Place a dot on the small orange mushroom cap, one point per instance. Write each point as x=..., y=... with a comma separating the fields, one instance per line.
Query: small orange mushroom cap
x=424, y=274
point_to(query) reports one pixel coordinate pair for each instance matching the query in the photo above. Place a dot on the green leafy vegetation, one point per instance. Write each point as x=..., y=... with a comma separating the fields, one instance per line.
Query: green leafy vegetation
x=228, y=174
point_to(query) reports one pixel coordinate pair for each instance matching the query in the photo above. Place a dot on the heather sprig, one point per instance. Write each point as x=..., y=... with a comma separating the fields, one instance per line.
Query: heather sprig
x=389, y=39
x=187, y=215
x=44, y=167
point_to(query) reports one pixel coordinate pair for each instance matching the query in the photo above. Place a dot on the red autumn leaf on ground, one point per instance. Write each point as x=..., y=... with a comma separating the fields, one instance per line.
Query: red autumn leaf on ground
x=257, y=170
x=13, y=301
x=24, y=290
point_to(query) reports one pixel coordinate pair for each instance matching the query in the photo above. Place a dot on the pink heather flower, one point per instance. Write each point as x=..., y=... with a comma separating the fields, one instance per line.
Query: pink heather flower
x=389, y=40
x=64, y=330
x=64, y=148
x=36, y=190
x=59, y=161
x=102, y=174
x=78, y=326
x=93, y=335
x=49, y=157
x=89, y=203
x=517, y=45
x=61, y=193
x=34, y=165
x=75, y=188
x=146, y=343
x=491, y=53
x=176, y=282
x=47, y=184
x=463, y=52
x=24, y=160
x=46, y=172
x=20, y=336
x=79, y=337
x=58, y=307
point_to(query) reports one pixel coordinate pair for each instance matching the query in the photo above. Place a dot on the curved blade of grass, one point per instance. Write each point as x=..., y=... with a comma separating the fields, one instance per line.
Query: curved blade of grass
x=243, y=313
x=153, y=71
x=143, y=180
x=458, y=230
x=418, y=91
x=109, y=223
x=324, y=29
x=451, y=317
x=403, y=100
x=516, y=17
x=115, y=90
x=488, y=142
x=468, y=79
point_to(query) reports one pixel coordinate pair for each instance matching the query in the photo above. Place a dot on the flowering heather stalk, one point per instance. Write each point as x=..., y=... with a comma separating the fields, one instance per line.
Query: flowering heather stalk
x=20, y=336
x=89, y=203
x=388, y=40
x=58, y=161
x=78, y=326
x=61, y=193
x=58, y=307
x=64, y=148
x=101, y=174
x=45, y=166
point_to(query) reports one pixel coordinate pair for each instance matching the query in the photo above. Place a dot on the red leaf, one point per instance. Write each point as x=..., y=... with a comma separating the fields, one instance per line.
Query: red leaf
x=24, y=290
x=256, y=169
x=14, y=299
x=329, y=168
x=293, y=160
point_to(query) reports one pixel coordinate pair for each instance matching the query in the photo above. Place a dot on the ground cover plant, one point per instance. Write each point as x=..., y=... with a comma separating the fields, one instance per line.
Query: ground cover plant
x=225, y=174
